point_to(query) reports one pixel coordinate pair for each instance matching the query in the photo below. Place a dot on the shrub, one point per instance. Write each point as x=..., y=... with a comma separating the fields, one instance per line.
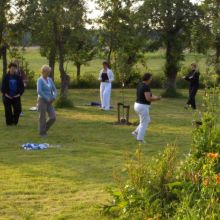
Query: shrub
x=165, y=188
x=86, y=81
x=145, y=193
x=64, y=102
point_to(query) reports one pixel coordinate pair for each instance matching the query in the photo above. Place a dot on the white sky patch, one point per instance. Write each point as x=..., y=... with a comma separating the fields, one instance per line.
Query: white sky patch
x=95, y=13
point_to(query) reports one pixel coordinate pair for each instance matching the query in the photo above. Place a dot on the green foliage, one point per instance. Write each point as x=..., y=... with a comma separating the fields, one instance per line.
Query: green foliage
x=24, y=66
x=121, y=36
x=172, y=20
x=146, y=193
x=165, y=188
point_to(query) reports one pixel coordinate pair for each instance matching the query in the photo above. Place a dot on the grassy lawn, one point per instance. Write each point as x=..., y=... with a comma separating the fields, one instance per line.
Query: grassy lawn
x=69, y=180
x=155, y=63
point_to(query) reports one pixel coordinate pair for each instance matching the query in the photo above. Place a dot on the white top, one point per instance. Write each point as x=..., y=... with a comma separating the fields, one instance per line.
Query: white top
x=109, y=73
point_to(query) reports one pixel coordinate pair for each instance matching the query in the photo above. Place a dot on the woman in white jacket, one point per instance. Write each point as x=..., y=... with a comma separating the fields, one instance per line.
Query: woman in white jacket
x=106, y=77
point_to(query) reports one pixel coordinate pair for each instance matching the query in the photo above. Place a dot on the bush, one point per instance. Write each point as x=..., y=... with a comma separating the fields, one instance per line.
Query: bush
x=64, y=102
x=86, y=81
x=166, y=188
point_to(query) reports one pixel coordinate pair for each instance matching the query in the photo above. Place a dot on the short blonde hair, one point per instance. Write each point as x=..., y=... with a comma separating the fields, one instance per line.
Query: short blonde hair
x=45, y=68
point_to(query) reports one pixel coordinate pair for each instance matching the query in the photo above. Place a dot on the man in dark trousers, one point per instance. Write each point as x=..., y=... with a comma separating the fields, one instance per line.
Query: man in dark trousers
x=193, y=78
x=12, y=90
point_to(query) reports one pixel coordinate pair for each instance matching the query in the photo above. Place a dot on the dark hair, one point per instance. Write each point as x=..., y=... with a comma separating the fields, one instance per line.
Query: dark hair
x=194, y=65
x=105, y=63
x=12, y=65
x=146, y=76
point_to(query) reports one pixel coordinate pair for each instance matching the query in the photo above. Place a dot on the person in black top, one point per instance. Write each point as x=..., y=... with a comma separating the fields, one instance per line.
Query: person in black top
x=12, y=90
x=193, y=78
x=142, y=106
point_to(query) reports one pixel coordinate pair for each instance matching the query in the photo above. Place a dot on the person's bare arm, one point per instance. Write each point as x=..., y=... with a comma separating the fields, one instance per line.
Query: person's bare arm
x=151, y=98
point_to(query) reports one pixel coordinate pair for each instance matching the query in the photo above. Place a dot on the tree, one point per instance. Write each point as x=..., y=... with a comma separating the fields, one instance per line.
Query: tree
x=11, y=30
x=172, y=20
x=121, y=35
x=82, y=47
x=55, y=21
x=212, y=15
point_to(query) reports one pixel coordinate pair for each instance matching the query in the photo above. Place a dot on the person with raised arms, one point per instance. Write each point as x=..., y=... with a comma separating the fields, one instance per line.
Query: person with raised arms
x=142, y=106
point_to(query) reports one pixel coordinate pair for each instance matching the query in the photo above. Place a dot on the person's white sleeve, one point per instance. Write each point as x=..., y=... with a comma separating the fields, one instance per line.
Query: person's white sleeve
x=100, y=75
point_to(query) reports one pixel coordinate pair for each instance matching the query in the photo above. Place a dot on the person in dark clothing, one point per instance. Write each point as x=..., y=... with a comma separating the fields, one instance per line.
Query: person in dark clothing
x=193, y=78
x=12, y=90
x=142, y=106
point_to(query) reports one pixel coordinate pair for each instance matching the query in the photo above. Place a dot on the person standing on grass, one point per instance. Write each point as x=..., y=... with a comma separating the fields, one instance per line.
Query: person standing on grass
x=142, y=106
x=47, y=93
x=193, y=78
x=106, y=77
x=12, y=90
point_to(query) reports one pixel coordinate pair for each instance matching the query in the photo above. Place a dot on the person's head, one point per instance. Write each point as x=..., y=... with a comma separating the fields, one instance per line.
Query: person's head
x=194, y=66
x=12, y=68
x=147, y=78
x=45, y=71
x=105, y=65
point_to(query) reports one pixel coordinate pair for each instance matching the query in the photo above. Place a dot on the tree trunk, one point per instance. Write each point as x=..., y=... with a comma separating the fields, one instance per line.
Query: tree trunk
x=109, y=57
x=217, y=61
x=65, y=79
x=78, y=72
x=4, y=59
x=171, y=68
x=52, y=61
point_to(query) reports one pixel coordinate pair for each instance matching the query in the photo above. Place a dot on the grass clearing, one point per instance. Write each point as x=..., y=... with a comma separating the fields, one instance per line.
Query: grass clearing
x=69, y=180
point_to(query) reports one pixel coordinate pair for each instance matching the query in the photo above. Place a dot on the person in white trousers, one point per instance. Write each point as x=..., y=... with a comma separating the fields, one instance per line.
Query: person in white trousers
x=142, y=106
x=106, y=77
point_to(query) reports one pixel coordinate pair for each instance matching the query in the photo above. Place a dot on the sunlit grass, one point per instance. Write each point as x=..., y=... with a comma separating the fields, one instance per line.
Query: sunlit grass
x=69, y=180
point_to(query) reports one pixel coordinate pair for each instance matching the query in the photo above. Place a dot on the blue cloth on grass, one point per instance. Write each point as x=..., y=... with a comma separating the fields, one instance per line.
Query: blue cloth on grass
x=32, y=146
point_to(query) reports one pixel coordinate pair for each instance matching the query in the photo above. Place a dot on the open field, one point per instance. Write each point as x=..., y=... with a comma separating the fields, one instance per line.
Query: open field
x=155, y=63
x=69, y=181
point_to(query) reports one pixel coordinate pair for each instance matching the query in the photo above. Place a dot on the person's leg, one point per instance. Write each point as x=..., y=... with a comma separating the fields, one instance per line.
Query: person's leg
x=193, y=97
x=144, y=117
x=102, y=88
x=42, y=108
x=189, y=99
x=8, y=111
x=16, y=109
x=52, y=116
x=107, y=96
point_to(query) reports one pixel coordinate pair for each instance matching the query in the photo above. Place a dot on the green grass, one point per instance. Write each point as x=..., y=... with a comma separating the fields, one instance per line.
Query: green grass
x=155, y=63
x=69, y=180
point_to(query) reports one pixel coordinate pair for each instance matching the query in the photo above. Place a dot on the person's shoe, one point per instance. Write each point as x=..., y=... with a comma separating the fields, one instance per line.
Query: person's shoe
x=134, y=134
x=22, y=114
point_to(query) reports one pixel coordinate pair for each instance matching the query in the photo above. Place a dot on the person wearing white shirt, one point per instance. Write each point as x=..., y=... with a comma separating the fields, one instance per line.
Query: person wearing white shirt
x=106, y=77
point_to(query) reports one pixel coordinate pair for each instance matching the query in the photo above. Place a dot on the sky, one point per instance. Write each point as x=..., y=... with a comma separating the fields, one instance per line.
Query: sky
x=94, y=13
